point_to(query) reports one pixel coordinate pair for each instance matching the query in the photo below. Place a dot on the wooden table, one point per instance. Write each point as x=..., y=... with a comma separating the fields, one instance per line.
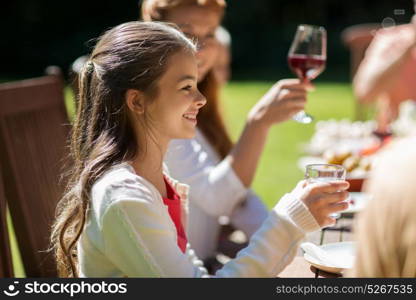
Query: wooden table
x=299, y=267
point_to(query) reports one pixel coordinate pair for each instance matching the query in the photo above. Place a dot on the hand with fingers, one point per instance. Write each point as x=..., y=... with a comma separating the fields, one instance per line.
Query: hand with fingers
x=323, y=199
x=284, y=99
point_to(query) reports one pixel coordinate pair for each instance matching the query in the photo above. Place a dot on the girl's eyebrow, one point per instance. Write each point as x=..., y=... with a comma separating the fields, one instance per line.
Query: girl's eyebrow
x=186, y=77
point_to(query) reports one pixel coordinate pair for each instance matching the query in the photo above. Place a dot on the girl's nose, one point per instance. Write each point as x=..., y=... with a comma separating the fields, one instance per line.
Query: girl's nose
x=200, y=100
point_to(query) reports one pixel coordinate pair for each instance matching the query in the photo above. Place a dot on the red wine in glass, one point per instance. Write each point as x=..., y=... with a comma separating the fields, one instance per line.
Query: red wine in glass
x=306, y=67
x=307, y=58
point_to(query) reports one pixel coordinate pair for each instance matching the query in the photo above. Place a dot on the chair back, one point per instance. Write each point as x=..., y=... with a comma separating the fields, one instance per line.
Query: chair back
x=34, y=129
x=6, y=265
x=357, y=38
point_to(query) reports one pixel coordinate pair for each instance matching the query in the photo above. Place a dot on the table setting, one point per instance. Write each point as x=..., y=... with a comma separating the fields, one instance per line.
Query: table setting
x=338, y=150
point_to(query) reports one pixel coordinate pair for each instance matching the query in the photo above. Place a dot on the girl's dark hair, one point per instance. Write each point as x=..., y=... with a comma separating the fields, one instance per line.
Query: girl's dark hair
x=210, y=120
x=133, y=55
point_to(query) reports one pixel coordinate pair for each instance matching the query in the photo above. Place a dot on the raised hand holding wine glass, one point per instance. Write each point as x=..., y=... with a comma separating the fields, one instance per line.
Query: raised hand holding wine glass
x=307, y=58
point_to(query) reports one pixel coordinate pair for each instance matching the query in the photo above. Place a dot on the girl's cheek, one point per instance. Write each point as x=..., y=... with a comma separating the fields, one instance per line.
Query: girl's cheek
x=188, y=97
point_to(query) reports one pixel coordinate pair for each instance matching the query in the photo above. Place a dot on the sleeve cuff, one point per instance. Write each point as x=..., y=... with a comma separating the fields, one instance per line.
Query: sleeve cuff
x=297, y=211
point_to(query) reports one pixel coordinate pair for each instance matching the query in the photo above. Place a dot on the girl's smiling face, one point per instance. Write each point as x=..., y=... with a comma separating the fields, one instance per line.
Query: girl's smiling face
x=173, y=112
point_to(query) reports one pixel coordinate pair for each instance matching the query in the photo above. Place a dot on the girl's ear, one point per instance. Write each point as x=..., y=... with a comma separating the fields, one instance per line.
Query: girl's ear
x=135, y=101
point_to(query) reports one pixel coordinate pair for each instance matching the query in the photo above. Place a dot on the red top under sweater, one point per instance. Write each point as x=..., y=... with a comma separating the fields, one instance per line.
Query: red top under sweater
x=173, y=202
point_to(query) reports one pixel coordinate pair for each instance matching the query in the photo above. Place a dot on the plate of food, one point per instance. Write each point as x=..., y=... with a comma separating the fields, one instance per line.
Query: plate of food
x=333, y=257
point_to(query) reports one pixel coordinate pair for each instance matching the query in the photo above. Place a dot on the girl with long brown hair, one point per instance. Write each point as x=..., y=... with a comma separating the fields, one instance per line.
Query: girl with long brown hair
x=122, y=214
x=219, y=171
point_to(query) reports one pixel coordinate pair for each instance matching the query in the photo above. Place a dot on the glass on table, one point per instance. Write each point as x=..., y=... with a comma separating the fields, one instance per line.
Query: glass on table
x=325, y=173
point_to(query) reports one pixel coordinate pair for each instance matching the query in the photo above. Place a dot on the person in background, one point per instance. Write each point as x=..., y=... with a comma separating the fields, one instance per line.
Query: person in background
x=386, y=229
x=222, y=66
x=386, y=74
x=220, y=171
x=122, y=215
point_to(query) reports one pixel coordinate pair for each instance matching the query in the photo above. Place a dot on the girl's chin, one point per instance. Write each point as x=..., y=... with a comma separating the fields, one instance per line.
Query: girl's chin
x=189, y=133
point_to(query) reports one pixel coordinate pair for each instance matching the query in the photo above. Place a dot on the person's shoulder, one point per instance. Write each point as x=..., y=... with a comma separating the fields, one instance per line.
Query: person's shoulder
x=120, y=183
x=401, y=147
x=390, y=40
x=395, y=33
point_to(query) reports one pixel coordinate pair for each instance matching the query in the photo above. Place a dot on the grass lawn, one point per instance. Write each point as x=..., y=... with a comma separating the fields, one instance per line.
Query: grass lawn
x=277, y=172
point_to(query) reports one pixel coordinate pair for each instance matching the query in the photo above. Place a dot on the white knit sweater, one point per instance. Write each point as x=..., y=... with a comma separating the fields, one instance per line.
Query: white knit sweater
x=129, y=232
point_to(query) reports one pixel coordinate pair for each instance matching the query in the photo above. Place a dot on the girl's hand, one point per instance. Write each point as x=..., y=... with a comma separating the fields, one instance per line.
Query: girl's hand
x=323, y=199
x=284, y=99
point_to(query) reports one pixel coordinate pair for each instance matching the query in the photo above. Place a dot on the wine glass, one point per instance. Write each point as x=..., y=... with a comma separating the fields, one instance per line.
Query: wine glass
x=307, y=58
x=325, y=173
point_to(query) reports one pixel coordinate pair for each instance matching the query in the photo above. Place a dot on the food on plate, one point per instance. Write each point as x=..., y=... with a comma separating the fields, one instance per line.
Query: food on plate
x=336, y=157
x=351, y=163
x=365, y=163
x=355, y=164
